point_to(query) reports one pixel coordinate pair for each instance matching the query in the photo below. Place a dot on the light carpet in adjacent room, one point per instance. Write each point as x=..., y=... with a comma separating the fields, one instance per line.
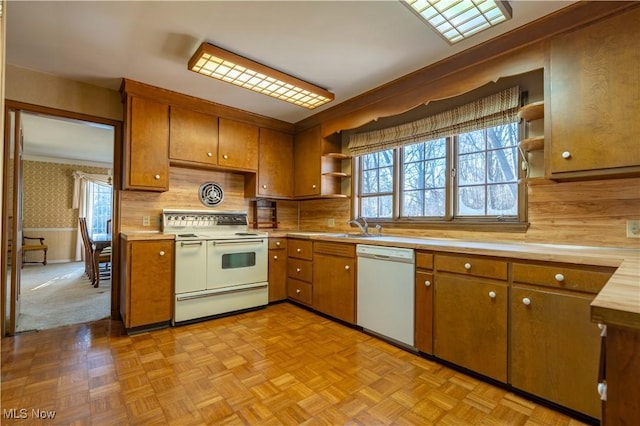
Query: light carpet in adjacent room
x=60, y=294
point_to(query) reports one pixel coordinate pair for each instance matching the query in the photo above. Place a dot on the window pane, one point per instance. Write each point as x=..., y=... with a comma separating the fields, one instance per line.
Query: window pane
x=412, y=204
x=471, y=169
x=414, y=152
x=434, y=203
x=471, y=201
x=503, y=200
x=413, y=176
x=370, y=161
x=386, y=179
x=370, y=181
x=471, y=142
x=385, y=158
x=386, y=206
x=503, y=165
x=436, y=149
x=435, y=174
x=369, y=207
x=502, y=136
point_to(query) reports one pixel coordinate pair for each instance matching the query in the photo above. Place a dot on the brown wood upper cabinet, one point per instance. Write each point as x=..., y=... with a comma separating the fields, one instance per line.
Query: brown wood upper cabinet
x=237, y=145
x=193, y=137
x=147, y=145
x=317, y=165
x=594, y=102
x=275, y=166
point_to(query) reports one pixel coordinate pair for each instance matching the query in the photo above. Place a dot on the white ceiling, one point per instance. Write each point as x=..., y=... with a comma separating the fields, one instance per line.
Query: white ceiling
x=347, y=47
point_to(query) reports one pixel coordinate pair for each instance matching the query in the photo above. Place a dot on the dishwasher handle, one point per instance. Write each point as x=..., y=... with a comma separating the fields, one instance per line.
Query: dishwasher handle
x=386, y=254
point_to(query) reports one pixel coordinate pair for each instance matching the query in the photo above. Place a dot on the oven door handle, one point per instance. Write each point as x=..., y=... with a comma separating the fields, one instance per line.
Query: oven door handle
x=220, y=292
x=195, y=243
x=235, y=242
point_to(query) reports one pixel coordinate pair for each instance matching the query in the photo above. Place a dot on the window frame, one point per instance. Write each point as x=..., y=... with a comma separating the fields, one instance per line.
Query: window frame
x=519, y=223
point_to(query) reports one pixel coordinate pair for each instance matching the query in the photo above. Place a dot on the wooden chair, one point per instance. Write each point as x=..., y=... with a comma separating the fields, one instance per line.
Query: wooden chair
x=89, y=253
x=27, y=246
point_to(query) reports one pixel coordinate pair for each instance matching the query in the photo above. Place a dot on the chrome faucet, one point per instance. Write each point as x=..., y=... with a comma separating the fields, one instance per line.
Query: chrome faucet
x=364, y=226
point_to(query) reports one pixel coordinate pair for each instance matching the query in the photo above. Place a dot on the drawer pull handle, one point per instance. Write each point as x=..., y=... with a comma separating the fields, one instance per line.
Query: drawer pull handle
x=467, y=266
x=264, y=186
x=275, y=257
x=313, y=187
x=277, y=243
x=427, y=283
x=298, y=270
x=299, y=250
x=492, y=294
x=566, y=155
x=161, y=253
x=559, y=277
x=157, y=177
x=347, y=267
x=209, y=154
x=298, y=291
x=225, y=156
x=526, y=301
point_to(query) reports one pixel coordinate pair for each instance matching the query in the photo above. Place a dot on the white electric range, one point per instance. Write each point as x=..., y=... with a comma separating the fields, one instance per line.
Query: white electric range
x=220, y=266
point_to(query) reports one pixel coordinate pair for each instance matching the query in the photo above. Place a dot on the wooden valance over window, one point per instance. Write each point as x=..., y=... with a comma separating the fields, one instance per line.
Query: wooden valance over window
x=494, y=110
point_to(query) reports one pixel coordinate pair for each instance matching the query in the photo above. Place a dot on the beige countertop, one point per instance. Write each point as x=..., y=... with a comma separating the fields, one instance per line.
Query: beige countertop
x=618, y=303
x=146, y=236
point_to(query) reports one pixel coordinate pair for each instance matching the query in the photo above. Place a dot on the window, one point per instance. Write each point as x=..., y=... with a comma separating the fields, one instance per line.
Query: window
x=101, y=196
x=469, y=176
x=458, y=165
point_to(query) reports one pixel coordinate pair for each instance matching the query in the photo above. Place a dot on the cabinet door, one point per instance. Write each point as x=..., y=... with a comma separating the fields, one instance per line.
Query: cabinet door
x=277, y=275
x=193, y=136
x=150, y=282
x=275, y=167
x=334, y=286
x=424, y=312
x=307, y=161
x=237, y=145
x=470, y=324
x=554, y=348
x=147, y=162
x=594, y=102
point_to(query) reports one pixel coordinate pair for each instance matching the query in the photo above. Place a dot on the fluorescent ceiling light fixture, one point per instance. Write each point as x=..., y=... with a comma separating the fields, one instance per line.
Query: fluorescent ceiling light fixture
x=223, y=65
x=456, y=20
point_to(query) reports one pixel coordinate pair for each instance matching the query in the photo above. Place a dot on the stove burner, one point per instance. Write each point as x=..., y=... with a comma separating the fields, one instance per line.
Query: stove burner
x=187, y=235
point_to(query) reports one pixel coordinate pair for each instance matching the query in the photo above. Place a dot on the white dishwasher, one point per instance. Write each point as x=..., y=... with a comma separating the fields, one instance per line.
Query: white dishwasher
x=386, y=292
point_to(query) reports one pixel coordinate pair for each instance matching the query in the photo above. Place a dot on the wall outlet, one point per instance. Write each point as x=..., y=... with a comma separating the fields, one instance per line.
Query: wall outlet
x=146, y=220
x=331, y=223
x=633, y=228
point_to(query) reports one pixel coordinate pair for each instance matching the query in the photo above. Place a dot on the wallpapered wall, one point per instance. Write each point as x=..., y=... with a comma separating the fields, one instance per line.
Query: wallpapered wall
x=48, y=194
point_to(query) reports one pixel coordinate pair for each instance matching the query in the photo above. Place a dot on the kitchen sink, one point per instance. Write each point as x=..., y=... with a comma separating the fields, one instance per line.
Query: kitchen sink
x=346, y=235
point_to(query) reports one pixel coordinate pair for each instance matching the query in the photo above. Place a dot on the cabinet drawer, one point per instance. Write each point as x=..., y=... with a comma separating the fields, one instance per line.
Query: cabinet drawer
x=300, y=249
x=424, y=260
x=300, y=269
x=335, y=249
x=300, y=291
x=587, y=279
x=472, y=265
x=277, y=243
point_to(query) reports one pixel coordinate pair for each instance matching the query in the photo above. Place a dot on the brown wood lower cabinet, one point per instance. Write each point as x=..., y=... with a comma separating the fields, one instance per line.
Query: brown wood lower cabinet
x=554, y=348
x=470, y=324
x=622, y=360
x=277, y=269
x=146, y=283
x=334, y=280
x=424, y=302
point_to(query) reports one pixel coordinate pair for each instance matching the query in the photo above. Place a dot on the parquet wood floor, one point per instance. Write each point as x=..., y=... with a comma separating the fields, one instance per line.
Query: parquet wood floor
x=280, y=365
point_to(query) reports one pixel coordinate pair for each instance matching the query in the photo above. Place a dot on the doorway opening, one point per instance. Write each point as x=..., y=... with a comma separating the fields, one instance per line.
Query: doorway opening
x=66, y=163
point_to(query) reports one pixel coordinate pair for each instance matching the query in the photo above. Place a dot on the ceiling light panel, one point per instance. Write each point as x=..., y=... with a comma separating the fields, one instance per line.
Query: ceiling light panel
x=456, y=20
x=223, y=65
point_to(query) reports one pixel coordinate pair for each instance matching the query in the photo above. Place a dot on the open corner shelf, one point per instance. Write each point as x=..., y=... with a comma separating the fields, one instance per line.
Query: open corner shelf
x=336, y=155
x=337, y=174
x=532, y=144
x=532, y=111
